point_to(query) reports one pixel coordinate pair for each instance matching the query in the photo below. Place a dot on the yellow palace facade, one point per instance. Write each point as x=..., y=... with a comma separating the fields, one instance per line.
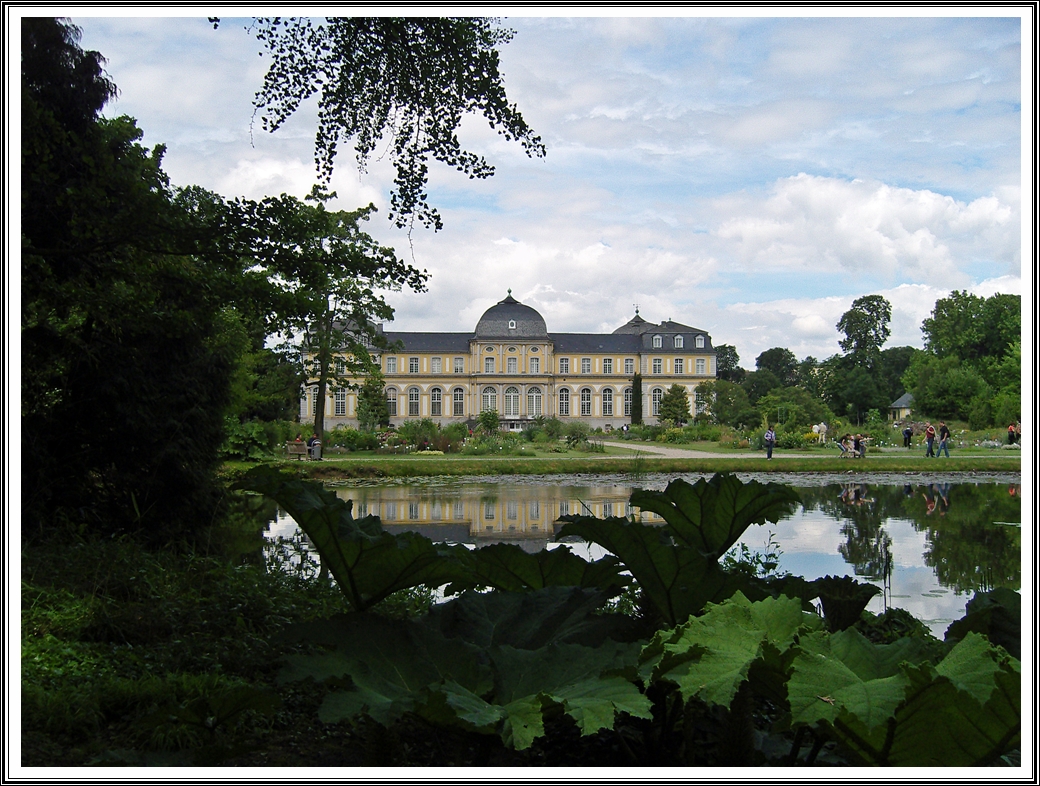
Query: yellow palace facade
x=511, y=363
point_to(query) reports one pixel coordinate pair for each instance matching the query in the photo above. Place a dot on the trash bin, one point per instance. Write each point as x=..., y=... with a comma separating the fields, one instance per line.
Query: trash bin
x=316, y=451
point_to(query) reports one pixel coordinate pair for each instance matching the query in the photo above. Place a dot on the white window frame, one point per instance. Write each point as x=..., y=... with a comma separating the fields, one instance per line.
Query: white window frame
x=534, y=402
x=534, y=365
x=460, y=365
x=608, y=365
x=630, y=365
x=340, y=405
x=678, y=366
x=436, y=402
x=511, y=402
x=655, y=398
x=413, y=402
x=564, y=397
x=391, y=402
x=489, y=365
x=628, y=402
x=391, y=365
x=511, y=365
x=458, y=402
x=435, y=365
x=657, y=342
x=701, y=366
x=489, y=399
x=565, y=365
x=658, y=366
x=586, y=365
x=585, y=397
x=413, y=365
x=678, y=342
x=700, y=342
x=608, y=401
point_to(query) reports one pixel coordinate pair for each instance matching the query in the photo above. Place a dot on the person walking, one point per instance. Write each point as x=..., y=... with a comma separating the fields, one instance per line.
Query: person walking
x=944, y=439
x=929, y=438
x=770, y=441
x=1011, y=434
x=908, y=435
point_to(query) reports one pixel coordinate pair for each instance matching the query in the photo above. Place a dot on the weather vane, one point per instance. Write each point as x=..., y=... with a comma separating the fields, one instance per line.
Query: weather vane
x=637, y=308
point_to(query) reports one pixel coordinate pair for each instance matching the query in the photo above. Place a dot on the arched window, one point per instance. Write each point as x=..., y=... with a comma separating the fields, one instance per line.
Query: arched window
x=435, y=402
x=586, y=402
x=700, y=342
x=391, y=402
x=608, y=401
x=628, y=402
x=534, y=402
x=657, y=342
x=413, y=401
x=458, y=402
x=512, y=402
x=655, y=397
x=489, y=399
x=565, y=401
x=678, y=342
x=512, y=324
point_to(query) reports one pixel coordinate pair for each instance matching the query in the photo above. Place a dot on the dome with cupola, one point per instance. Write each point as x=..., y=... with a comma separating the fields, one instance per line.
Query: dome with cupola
x=509, y=318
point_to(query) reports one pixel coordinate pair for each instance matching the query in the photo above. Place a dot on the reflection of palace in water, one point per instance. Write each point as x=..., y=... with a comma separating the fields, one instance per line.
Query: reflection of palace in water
x=489, y=513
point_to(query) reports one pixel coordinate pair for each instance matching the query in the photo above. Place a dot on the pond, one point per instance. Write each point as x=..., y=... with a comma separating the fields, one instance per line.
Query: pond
x=929, y=541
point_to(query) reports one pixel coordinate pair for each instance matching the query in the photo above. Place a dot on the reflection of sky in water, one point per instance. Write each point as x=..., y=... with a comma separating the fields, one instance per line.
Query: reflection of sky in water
x=809, y=541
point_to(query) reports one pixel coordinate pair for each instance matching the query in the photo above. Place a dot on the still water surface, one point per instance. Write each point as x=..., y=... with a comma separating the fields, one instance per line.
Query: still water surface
x=928, y=541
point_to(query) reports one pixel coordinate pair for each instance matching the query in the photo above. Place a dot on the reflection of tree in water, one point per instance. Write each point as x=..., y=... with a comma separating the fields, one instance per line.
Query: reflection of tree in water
x=973, y=540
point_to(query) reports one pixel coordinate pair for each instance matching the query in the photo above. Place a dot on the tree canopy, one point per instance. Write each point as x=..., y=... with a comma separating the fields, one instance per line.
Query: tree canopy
x=969, y=327
x=675, y=406
x=781, y=362
x=411, y=79
x=866, y=330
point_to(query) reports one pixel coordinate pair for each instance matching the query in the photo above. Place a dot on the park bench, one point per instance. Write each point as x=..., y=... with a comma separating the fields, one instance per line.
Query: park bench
x=298, y=449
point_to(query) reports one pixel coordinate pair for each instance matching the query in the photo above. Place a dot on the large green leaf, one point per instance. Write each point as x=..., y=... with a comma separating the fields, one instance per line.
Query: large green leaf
x=711, y=655
x=367, y=563
x=677, y=580
x=529, y=620
x=963, y=712
x=389, y=664
x=997, y=614
x=507, y=567
x=711, y=515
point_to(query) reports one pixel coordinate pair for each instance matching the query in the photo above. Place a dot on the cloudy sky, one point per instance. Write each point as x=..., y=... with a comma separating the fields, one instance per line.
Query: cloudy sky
x=748, y=176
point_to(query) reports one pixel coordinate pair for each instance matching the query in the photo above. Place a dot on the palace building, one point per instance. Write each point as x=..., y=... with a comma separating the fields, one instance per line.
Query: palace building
x=512, y=364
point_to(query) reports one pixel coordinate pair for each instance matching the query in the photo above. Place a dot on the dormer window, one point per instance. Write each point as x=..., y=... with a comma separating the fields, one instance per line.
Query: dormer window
x=678, y=342
x=657, y=342
x=512, y=324
x=700, y=342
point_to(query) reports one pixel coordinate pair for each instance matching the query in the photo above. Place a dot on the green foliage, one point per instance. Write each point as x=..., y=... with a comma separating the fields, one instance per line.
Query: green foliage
x=996, y=614
x=676, y=566
x=727, y=404
x=675, y=406
x=637, y=399
x=844, y=600
x=758, y=383
x=507, y=567
x=576, y=433
x=487, y=421
x=727, y=362
x=794, y=409
x=970, y=328
x=781, y=363
x=410, y=80
x=866, y=330
x=372, y=409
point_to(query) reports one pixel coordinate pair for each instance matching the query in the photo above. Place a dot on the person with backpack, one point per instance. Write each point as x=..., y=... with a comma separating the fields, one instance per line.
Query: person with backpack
x=908, y=435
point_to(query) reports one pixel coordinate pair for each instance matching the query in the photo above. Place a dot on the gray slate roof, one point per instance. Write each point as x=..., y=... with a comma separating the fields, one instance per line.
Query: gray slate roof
x=905, y=401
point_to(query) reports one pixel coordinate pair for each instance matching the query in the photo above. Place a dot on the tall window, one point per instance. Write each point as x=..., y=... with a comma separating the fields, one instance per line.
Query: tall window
x=391, y=402
x=700, y=342
x=413, y=365
x=565, y=401
x=341, y=367
x=608, y=365
x=656, y=398
x=510, y=365
x=341, y=402
x=489, y=365
x=314, y=401
x=657, y=342
x=460, y=366
x=489, y=399
x=391, y=365
x=435, y=365
x=658, y=363
x=700, y=365
x=435, y=402
x=458, y=402
x=586, y=401
x=628, y=402
x=535, y=365
x=413, y=401
x=534, y=402
x=586, y=365
x=512, y=402
x=565, y=365
x=630, y=366
x=678, y=342
x=678, y=365
x=608, y=401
